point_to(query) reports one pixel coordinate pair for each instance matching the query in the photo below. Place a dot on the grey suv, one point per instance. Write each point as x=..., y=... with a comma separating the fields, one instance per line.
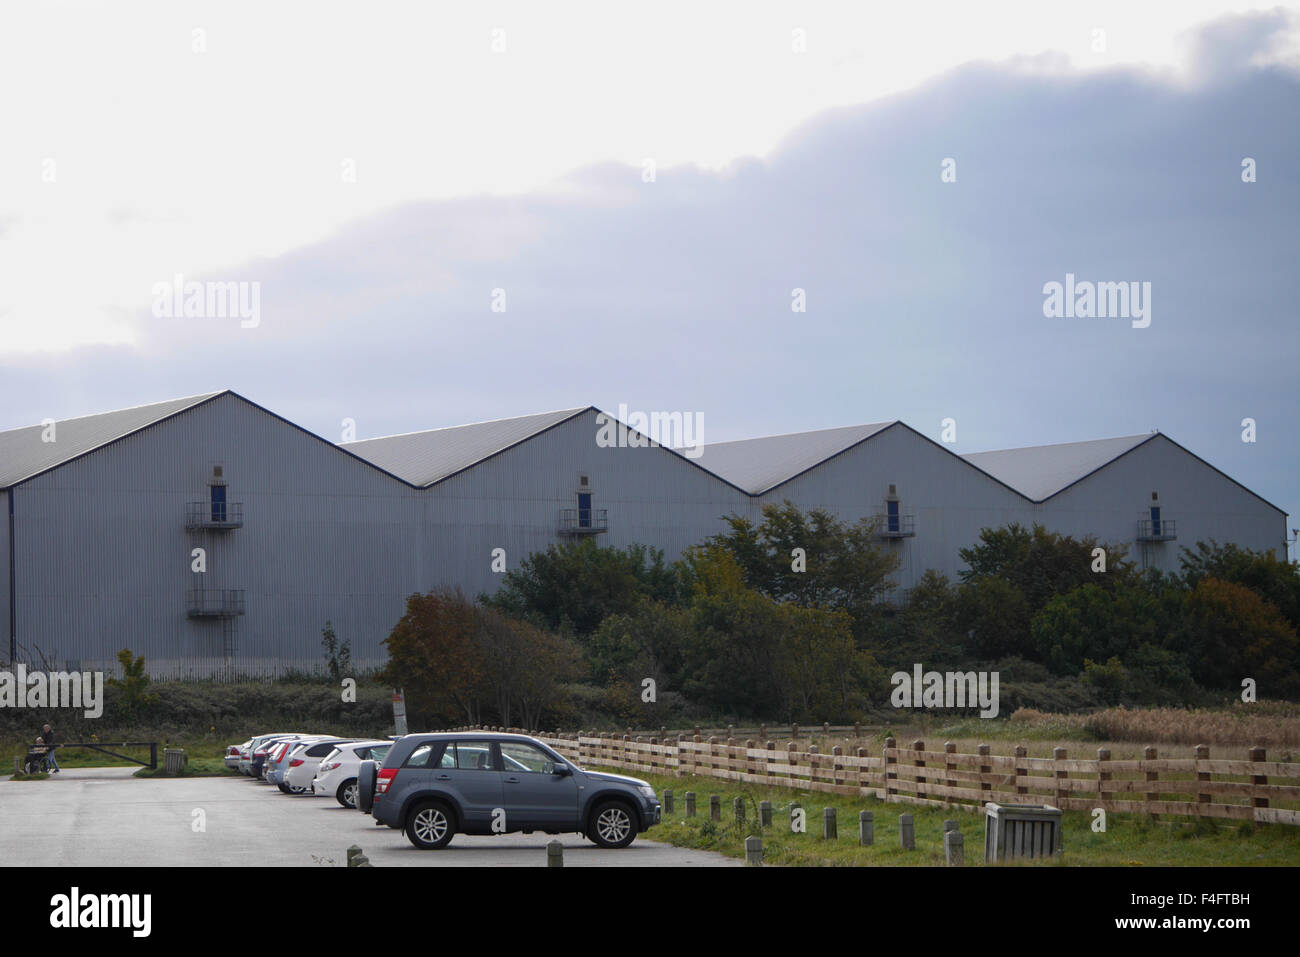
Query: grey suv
x=433, y=785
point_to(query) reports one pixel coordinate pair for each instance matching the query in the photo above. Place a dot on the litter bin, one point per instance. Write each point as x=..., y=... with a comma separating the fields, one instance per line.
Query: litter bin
x=173, y=760
x=1020, y=830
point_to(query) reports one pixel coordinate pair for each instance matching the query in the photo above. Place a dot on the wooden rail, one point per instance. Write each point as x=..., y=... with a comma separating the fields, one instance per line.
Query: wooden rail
x=1200, y=787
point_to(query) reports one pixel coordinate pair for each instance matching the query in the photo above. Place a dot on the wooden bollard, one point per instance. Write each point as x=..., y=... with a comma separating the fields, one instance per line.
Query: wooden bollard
x=690, y=804
x=794, y=730
x=738, y=810
x=866, y=828
x=953, y=852
x=830, y=829
x=826, y=728
x=715, y=807
x=765, y=813
x=554, y=854
x=906, y=832
x=356, y=858
x=753, y=852
x=949, y=825
x=668, y=800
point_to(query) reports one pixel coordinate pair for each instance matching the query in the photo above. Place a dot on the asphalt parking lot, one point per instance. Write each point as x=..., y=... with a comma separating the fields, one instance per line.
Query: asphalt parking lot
x=103, y=817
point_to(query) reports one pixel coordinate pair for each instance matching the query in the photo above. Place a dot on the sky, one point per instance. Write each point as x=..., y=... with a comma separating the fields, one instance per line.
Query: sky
x=452, y=214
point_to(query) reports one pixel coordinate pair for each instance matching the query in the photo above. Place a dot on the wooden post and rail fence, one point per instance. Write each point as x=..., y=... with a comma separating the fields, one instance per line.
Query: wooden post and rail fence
x=1198, y=787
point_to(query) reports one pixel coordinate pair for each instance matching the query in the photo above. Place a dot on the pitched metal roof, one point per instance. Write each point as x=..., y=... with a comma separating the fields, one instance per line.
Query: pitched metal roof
x=24, y=453
x=758, y=465
x=1040, y=471
x=423, y=458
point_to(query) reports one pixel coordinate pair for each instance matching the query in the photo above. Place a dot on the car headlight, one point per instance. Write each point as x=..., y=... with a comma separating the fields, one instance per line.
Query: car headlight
x=646, y=791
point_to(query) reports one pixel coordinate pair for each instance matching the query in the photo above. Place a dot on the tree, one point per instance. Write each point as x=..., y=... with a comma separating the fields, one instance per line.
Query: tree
x=1031, y=566
x=821, y=673
x=1231, y=634
x=433, y=654
x=649, y=642
x=1099, y=623
x=732, y=662
x=925, y=630
x=576, y=586
x=134, y=697
x=842, y=567
x=338, y=657
x=1274, y=580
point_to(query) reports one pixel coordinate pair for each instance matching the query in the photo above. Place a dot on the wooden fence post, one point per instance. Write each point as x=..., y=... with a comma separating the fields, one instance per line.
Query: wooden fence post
x=1103, y=796
x=1149, y=754
x=1020, y=771
x=1202, y=754
x=983, y=750
x=1256, y=756
x=920, y=779
x=890, y=744
x=1062, y=795
x=949, y=766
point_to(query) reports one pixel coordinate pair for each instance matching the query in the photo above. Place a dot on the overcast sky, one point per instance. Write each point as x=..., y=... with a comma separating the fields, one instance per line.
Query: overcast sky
x=380, y=170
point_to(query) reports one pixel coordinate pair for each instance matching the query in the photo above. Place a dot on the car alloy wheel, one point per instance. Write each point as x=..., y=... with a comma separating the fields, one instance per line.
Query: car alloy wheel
x=429, y=827
x=613, y=826
x=347, y=794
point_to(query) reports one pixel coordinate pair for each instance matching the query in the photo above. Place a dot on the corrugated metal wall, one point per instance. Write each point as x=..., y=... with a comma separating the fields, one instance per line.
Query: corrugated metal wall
x=951, y=500
x=513, y=501
x=4, y=574
x=104, y=557
x=1204, y=505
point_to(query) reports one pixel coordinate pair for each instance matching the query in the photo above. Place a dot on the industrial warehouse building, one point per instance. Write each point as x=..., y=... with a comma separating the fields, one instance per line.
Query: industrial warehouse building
x=103, y=514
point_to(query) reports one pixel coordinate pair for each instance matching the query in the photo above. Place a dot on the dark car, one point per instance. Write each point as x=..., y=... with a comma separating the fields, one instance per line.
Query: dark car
x=434, y=785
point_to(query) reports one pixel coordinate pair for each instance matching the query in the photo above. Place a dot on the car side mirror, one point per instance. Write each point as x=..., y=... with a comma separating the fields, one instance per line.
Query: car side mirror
x=563, y=770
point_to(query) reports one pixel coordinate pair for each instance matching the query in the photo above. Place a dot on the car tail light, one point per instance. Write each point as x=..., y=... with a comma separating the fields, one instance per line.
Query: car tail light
x=386, y=777
x=295, y=762
x=330, y=767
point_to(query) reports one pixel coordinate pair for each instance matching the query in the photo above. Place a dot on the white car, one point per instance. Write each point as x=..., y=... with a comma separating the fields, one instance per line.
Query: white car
x=305, y=761
x=337, y=774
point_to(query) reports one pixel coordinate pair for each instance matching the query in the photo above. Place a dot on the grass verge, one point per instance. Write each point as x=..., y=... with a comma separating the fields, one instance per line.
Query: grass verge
x=1129, y=840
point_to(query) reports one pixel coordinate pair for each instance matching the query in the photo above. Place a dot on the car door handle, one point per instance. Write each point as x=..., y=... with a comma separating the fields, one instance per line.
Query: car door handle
x=444, y=777
x=512, y=780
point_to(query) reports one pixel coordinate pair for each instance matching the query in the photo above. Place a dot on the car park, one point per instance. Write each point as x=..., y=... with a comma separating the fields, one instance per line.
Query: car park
x=337, y=775
x=306, y=761
x=303, y=758
x=233, y=754
x=432, y=786
x=247, y=752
